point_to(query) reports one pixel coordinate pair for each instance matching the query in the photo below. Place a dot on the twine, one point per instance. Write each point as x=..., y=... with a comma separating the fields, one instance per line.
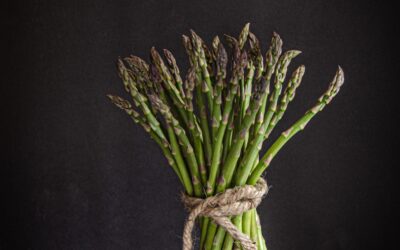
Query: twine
x=220, y=207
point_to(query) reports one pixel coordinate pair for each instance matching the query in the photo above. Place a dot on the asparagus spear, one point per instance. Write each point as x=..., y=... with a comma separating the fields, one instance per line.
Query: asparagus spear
x=169, y=85
x=155, y=125
x=140, y=100
x=175, y=71
x=199, y=53
x=183, y=140
x=260, y=238
x=271, y=58
x=199, y=99
x=256, y=54
x=286, y=98
x=299, y=125
x=222, y=60
x=228, y=137
x=175, y=148
x=244, y=35
x=196, y=132
x=245, y=84
x=193, y=128
x=280, y=76
x=214, y=46
x=164, y=145
x=255, y=63
x=193, y=124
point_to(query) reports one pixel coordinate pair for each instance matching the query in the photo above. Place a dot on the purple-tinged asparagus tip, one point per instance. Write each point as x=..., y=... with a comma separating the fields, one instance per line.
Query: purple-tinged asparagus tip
x=120, y=102
x=154, y=74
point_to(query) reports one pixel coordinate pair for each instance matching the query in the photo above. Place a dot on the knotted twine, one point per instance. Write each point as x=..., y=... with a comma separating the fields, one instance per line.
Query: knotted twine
x=220, y=207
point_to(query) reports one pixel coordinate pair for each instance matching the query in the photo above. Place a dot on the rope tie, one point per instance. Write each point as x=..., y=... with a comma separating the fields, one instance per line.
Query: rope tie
x=220, y=207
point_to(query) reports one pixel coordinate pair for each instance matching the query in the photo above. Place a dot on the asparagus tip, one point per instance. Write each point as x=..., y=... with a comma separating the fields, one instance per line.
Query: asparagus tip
x=232, y=42
x=246, y=28
x=276, y=37
x=170, y=57
x=334, y=86
x=166, y=51
x=153, y=50
x=294, y=53
x=301, y=69
x=197, y=40
x=154, y=74
x=339, y=77
x=120, y=102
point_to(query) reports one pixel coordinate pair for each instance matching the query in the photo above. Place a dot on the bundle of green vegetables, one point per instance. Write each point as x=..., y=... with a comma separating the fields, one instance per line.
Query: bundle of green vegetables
x=211, y=124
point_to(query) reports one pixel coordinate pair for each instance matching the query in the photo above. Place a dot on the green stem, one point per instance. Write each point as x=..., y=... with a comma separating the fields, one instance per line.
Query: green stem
x=297, y=127
x=260, y=238
x=179, y=160
x=203, y=120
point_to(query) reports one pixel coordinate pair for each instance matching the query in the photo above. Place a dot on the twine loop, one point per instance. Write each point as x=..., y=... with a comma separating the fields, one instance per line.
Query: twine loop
x=220, y=207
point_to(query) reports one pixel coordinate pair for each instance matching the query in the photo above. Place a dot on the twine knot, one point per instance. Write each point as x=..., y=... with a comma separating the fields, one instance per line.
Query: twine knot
x=220, y=207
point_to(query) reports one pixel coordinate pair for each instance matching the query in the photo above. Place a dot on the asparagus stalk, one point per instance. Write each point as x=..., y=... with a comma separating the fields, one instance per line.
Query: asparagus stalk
x=183, y=141
x=222, y=60
x=220, y=57
x=175, y=71
x=298, y=126
x=244, y=35
x=280, y=76
x=246, y=223
x=167, y=78
x=199, y=53
x=260, y=238
x=154, y=123
x=199, y=99
x=169, y=85
x=140, y=100
x=228, y=137
x=256, y=54
x=271, y=58
x=287, y=97
x=253, y=227
x=193, y=128
x=175, y=148
x=215, y=46
x=245, y=84
x=203, y=119
x=164, y=145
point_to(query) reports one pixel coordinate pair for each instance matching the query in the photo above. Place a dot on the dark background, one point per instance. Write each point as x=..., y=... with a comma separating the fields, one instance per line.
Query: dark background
x=78, y=174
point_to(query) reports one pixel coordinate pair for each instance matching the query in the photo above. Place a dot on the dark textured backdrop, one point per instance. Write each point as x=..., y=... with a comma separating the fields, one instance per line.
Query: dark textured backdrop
x=80, y=175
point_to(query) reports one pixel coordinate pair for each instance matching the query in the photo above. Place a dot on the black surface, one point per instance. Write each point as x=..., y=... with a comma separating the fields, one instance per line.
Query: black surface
x=78, y=174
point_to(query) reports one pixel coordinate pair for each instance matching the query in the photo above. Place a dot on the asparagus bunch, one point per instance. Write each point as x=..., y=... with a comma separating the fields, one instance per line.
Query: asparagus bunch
x=211, y=124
